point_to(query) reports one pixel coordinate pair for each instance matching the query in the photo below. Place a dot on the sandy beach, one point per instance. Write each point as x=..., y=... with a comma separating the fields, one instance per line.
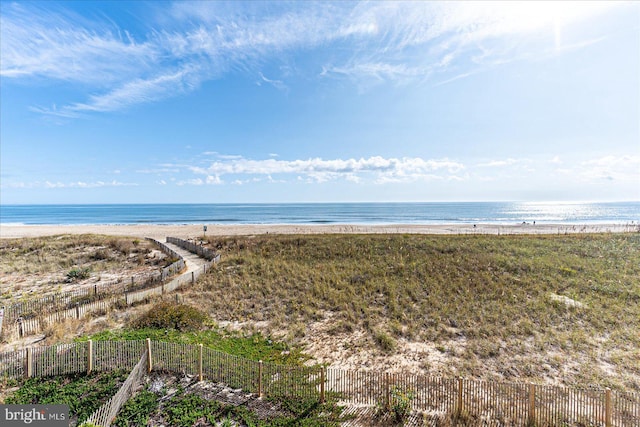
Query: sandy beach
x=159, y=232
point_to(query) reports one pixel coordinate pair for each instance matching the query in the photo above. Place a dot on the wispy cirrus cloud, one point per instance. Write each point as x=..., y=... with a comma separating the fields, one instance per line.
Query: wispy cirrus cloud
x=131, y=93
x=192, y=42
x=60, y=45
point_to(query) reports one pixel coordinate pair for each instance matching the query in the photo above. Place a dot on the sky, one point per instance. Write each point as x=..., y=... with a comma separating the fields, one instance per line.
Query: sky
x=272, y=102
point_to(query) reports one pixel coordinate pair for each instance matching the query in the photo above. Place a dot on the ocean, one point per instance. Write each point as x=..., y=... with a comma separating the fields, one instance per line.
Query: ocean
x=326, y=213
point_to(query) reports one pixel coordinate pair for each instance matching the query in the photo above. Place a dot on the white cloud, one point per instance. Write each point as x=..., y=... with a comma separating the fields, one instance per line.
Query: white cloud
x=64, y=46
x=209, y=180
x=278, y=84
x=195, y=181
x=132, y=93
x=392, y=42
x=499, y=163
x=162, y=169
x=84, y=184
x=611, y=168
x=213, y=179
x=228, y=156
x=320, y=170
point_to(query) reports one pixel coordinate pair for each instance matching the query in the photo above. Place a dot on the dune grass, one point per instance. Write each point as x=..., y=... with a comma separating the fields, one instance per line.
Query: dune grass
x=487, y=302
x=28, y=264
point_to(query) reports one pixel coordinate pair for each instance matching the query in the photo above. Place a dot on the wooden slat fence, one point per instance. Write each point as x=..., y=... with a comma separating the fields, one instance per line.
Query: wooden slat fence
x=113, y=355
x=61, y=359
x=27, y=315
x=12, y=364
x=106, y=414
x=203, y=252
x=236, y=372
x=37, y=314
x=361, y=387
x=487, y=402
x=290, y=381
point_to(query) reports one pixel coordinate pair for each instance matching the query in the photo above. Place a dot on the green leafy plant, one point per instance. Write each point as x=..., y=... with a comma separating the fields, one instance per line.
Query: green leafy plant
x=83, y=393
x=400, y=404
x=137, y=409
x=78, y=274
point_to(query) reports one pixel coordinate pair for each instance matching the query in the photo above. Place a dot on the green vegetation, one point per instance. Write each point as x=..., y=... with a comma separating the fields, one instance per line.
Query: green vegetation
x=78, y=274
x=185, y=324
x=86, y=393
x=399, y=405
x=487, y=300
x=167, y=315
x=253, y=346
x=83, y=393
x=185, y=409
x=137, y=410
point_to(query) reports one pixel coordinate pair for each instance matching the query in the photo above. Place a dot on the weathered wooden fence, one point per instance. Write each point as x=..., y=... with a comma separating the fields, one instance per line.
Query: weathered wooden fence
x=499, y=403
x=105, y=415
x=205, y=253
x=29, y=317
x=71, y=300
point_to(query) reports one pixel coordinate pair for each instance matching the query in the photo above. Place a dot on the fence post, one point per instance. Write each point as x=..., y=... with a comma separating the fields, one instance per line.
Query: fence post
x=149, y=358
x=193, y=278
x=200, y=364
x=607, y=407
x=532, y=404
x=260, y=378
x=20, y=327
x=322, y=385
x=1, y=318
x=387, y=391
x=89, y=357
x=459, y=405
x=29, y=368
x=77, y=310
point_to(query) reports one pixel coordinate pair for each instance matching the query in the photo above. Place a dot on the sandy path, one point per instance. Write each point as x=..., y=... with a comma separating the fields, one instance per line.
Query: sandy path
x=192, y=261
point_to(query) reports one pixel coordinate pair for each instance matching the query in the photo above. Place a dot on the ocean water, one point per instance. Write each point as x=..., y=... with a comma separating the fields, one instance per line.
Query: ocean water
x=326, y=213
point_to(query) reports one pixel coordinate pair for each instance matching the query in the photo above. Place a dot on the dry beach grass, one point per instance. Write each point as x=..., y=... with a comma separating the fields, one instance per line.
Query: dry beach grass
x=552, y=309
x=549, y=308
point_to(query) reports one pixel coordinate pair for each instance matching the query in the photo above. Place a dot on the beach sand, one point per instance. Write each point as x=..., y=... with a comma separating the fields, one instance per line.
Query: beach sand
x=160, y=232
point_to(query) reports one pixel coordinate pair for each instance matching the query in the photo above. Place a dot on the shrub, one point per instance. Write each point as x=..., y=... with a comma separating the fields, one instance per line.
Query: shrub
x=400, y=404
x=166, y=315
x=78, y=274
x=385, y=342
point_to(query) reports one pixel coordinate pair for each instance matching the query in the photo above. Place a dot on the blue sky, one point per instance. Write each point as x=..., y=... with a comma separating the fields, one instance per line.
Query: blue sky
x=145, y=102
